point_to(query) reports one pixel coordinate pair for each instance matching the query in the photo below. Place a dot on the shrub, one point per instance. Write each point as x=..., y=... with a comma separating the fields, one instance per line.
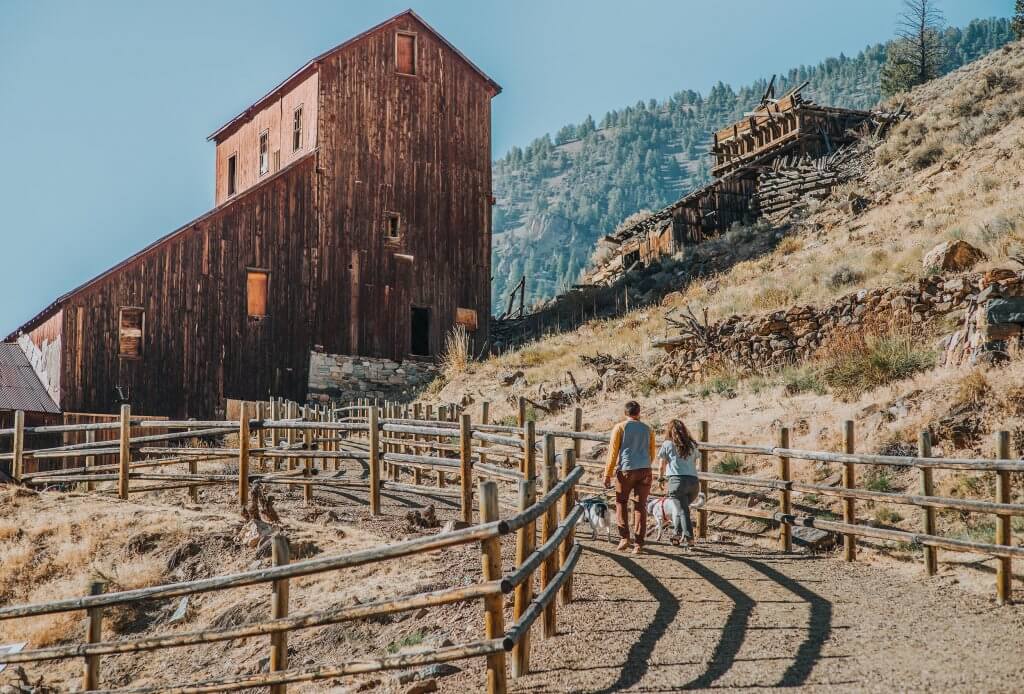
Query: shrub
x=843, y=277
x=972, y=387
x=886, y=515
x=802, y=380
x=878, y=480
x=931, y=150
x=790, y=244
x=857, y=362
x=456, y=356
x=731, y=464
x=409, y=640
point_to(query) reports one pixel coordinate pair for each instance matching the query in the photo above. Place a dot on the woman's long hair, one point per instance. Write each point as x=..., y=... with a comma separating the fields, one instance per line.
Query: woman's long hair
x=678, y=434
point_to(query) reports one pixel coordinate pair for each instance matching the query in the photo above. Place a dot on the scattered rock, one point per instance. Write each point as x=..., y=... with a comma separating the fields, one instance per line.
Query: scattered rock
x=511, y=377
x=425, y=518
x=438, y=670
x=953, y=255
x=813, y=538
x=453, y=525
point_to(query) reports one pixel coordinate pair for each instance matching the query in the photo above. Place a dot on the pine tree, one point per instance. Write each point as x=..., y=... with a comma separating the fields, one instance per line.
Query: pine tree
x=919, y=54
x=1018, y=19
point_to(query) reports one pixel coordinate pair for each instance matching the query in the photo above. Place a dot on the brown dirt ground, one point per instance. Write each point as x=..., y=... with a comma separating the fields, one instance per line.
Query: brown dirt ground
x=732, y=617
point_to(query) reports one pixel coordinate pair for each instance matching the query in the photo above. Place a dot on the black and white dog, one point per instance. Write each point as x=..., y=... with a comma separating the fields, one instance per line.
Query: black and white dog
x=596, y=514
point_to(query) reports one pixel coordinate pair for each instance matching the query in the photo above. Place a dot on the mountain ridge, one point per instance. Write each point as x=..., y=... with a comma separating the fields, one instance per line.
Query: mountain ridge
x=557, y=196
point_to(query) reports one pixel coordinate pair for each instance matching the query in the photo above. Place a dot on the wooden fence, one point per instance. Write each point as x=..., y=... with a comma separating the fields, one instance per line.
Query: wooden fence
x=402, y=448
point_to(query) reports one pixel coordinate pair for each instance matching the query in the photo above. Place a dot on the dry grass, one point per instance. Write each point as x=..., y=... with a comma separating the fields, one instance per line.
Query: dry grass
x=855, y=362
x=456, y=355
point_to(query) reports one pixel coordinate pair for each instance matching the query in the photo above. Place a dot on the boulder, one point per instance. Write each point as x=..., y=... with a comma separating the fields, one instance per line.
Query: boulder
x=953, y=255
x=812, y=538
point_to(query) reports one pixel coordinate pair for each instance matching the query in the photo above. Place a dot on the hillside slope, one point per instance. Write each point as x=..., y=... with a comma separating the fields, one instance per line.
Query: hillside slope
x=558, y=195
x=953, y=171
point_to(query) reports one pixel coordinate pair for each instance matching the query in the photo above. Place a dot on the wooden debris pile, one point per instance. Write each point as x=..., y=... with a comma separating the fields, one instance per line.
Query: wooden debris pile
x=791, y=179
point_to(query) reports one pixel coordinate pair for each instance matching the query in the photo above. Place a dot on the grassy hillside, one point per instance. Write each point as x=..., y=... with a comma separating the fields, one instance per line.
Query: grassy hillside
x=953, y=171
x=559, y=194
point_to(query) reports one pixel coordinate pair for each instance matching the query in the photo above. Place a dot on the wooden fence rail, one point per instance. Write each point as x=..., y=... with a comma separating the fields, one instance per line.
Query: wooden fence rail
x=390, y=441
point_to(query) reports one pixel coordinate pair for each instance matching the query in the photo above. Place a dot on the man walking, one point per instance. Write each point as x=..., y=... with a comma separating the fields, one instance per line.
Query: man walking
x=629, y=460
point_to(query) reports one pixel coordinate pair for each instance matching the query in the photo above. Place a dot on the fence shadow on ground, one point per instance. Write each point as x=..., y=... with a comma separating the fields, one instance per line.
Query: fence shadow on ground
x=637, y=661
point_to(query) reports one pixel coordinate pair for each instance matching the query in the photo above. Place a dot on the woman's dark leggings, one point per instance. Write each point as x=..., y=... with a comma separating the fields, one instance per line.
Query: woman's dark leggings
x=685, y=489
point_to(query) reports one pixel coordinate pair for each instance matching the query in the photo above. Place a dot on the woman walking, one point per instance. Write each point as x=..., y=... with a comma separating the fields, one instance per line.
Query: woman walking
x=678, y=457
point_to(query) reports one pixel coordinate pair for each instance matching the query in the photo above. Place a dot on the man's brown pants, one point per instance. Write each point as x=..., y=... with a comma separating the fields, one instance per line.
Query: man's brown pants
x=636, y=482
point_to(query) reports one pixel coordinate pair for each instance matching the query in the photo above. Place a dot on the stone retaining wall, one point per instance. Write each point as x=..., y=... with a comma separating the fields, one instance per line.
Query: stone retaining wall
x=754, y=343
x=341, y=377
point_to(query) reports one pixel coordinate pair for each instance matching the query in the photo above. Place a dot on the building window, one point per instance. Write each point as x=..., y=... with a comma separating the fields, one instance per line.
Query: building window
x=277, y=160
x=297, y=129
x=264, y=152
x=256, y=293
x=466, y=317
x=420, y=324
x=131, y=324
x=232, y=170
x=405, y=53
x=392, y=225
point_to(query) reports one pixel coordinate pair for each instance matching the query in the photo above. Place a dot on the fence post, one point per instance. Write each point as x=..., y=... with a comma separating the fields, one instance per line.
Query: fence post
x=702, y=515
x=124, y=450
x=442, y=416
x=374, y=463
x=466, y=467
x=243, y=456
x=93, y=634
x=90, y=460
x=494, y=615
x=849, y=482
x=785, y=498
x=18, y=446
x=307, y=471
x=1004, y=569
x=548, y=522
x=521, y=412
x=525, y=539
x=924, y=447
x=577, y=425
x=279, y=610
x=417, y=473
x=568, y=502
x=485, y=418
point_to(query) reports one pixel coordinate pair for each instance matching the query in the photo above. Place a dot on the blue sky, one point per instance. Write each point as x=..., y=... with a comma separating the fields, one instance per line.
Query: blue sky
x=106, y=104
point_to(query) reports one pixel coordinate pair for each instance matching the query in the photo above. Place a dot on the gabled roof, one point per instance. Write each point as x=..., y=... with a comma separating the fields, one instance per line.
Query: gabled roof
x=313, y=64
x=20, y=387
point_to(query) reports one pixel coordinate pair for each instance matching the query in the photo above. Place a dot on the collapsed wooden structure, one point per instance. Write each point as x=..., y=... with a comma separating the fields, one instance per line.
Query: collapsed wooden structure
x=763, y=164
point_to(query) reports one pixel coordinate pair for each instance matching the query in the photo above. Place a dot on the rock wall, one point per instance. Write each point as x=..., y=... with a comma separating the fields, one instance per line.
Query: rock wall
x=341, y=377
x=753, y=343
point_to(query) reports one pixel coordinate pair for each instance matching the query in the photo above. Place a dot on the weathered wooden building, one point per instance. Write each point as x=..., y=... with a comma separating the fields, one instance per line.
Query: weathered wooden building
x=353, y=216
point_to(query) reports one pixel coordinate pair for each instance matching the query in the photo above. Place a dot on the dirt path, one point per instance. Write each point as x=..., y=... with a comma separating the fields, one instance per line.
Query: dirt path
x=730, y=617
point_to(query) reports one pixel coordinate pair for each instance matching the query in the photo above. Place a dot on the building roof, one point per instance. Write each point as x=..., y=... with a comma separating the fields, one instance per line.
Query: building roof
x=57, y=304
x=313, y=64
x=20, y=387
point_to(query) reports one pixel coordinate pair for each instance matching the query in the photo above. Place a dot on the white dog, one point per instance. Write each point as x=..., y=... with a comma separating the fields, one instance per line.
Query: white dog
x=597, y=515
x=662, y=513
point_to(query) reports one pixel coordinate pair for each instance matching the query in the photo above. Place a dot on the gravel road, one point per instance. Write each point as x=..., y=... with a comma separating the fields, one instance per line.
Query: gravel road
x=731, y=617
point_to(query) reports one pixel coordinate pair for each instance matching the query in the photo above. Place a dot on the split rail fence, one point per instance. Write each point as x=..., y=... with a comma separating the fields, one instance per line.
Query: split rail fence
x=398, y=442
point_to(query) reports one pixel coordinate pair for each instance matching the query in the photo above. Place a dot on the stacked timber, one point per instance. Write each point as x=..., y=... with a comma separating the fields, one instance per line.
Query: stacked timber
x=792, y=179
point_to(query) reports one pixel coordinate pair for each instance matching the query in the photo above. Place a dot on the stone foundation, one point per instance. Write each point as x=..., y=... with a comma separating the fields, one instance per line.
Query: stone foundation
x=341, y=377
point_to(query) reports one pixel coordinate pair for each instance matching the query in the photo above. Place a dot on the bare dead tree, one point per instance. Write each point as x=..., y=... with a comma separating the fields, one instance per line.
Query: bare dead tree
x=918, y=53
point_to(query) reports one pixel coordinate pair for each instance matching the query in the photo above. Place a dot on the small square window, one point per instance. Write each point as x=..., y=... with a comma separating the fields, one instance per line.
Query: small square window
x=130, y=329
x=264, y=152
x=392, y=225
x=256, y=293
x=405, y=53
x=297, y=129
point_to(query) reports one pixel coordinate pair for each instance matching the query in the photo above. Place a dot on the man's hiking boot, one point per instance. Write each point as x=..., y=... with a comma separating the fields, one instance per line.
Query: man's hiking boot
x=674, y=540
x=638, y=549
x=623, y=545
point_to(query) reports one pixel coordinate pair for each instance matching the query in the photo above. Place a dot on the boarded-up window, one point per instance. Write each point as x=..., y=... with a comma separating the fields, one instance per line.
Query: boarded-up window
x=257, y=293
x=277, y=160
x=466, y=317
x=297, y=129
x=232, y=171
x=405, y=53
x=131, y=324
x=264, y=152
